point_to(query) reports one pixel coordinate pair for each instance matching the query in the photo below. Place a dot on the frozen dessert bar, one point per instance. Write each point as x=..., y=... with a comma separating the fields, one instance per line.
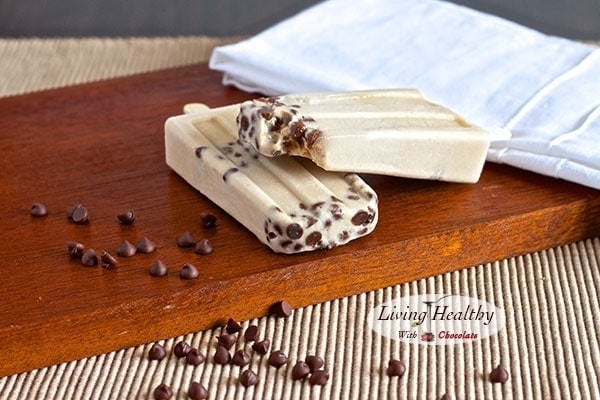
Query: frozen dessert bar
x=390, y=132
x=290, y=205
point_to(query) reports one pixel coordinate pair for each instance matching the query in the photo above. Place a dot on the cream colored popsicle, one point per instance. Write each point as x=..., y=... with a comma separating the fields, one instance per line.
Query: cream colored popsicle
x=290, y=205
x=390, y=132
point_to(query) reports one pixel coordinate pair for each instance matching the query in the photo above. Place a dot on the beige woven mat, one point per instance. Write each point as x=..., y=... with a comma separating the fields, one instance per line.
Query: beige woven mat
x=550, y=344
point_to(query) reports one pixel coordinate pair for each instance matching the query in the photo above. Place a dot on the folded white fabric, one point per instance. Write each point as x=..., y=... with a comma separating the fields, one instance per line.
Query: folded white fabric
x=494, y=72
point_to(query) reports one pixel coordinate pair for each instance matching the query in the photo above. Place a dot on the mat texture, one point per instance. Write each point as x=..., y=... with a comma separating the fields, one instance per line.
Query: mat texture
x=550, y=344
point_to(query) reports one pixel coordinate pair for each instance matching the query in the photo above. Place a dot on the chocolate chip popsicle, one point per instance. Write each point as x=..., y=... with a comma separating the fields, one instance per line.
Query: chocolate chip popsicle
x=389, y=132
x=291, y=205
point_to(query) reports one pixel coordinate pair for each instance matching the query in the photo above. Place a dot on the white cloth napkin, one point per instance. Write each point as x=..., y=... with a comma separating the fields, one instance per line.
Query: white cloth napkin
x=495, y=73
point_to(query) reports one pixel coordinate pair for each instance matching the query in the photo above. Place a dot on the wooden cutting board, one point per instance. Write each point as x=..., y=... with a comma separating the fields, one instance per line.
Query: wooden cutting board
x=101, y=145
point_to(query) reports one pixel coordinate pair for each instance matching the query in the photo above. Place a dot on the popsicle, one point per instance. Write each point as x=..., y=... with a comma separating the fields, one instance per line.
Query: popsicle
x=290, y=205
x=389, y=132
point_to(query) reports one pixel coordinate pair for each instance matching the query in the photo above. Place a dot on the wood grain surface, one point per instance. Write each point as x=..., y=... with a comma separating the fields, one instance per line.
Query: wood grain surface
x=101, y=145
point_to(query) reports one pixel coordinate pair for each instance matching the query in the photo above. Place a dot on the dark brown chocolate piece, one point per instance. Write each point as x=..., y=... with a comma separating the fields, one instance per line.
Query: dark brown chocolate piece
x=227, y=340
x=75, y=249
x=188, y=271
x=261, y=347
x=300, y=370
x=222, y=355
x=79, y=214
x=126, y=249
x=277, y=359
x=233, y=326
x=282, y=309
x=251, y=333
x=158, y=269
x=203, y=247
x=197, y=391
x=445, y=396
x=240, y=358
x=186, y=240
x=314, y=362
x=157, y=352
x=126, y=217
x=395, y=368
x=248, y=378
x=194, y=357
x=145, y=246
x=181, y=349
x=207, y=221
x=71, y=209
x=89, y=258
x=107, y=260
x=163, y=392
x=499, y=375
x=38, y=210
x=319, y=377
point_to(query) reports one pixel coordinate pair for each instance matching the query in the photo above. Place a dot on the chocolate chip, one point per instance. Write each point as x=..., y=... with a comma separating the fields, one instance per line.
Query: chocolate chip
x=145, y=246
x=158, y=269
x=162, y=392
x=194, y=357
x=227, y=340
x=251, y=333
x=72, y=209
x=248, y=378
x=79, y=214
x=244, y=123
x=38, y=210
x=107, y=260
x=207, y=220
x=395, y=368
x=126, y=217
x=314, y=363
x=277, y=359
x=181, y=349
x=157, y=352
x=300, y=370
x=75, y=249
x=319, y=377
x=240, y=358
x=233, y=326
x=499, y=375
x=185, y=240
x=229, y=172
x=203, y=247
x=361, y=218
x=313, y=239
x=126, y=249
x=89, y=258
x=445, y=397
x=261, y=347
x=188, y=271
x=222, y=355
x=199, y=151
x=282, y=309
x=294, y=231
x=197, y=391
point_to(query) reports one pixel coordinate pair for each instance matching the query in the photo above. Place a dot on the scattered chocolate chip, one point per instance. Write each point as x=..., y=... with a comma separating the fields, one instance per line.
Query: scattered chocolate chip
x=208, y=220
x=126, y=217
x=499, y=375
x=203, y=247
x=80, y=214
x=294, y=231
x=277, y=359
x=251, y=333
x=445, y=397
x=157, y=352
x=248, y=378
x=319, y=377
x=158, y=269
x=89, y=258
x=38, y=210
x=75, y=249
x=261, y=347
x=240, y=358
x=233, y=326
x=188, y=271
x=72, y=209
x=395, y=368
x=107, y=260
x=300, y=370
x=145, y=246
x=185, y=240
x=227, y=340
x=314, y=363
x=162, y=392
x=126, y=249
x=181, y=349
x=197, y=391
x=222, y=355
x=282, y=309
x=194, y=357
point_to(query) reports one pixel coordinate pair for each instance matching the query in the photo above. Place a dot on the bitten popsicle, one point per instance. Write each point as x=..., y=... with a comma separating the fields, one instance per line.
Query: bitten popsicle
x=290, y=205
x=389, y=132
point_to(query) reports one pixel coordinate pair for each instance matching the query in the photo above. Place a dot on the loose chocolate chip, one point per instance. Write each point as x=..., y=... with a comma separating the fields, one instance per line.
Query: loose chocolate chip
x=126, y=249
x=314, y=363
x=107, y=260
x=38, y=210
x=294, y=231
x=145, y=246
x=203, y=247
x=300, y=370
x=126, y=217
x=240, y=358
x=207, y=220
x=361, y=218
x=233, y=326
x=80, y=214
x=197, y=391
x=395, y=368
x=188, y=271
x=248, y=378
x=499, y=375
x=261, y=347
x=194, y=357
x=227, y=340
x=162, y=392
x=89, y=258
x=158, y=269
x=185, y=240
x=181, y=349
x=72, y=209
x=251, y=333
x=75, y=249
x=282, y=309
x=277, y=359
x=157, y=352
x=222, y=355
x=319, y=377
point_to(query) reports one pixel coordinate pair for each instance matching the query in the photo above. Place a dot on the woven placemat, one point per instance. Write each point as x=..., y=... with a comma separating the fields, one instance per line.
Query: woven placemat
x=550, y=343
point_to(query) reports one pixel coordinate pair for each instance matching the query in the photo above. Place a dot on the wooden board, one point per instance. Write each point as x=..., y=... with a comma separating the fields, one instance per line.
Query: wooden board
x=101, y=144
